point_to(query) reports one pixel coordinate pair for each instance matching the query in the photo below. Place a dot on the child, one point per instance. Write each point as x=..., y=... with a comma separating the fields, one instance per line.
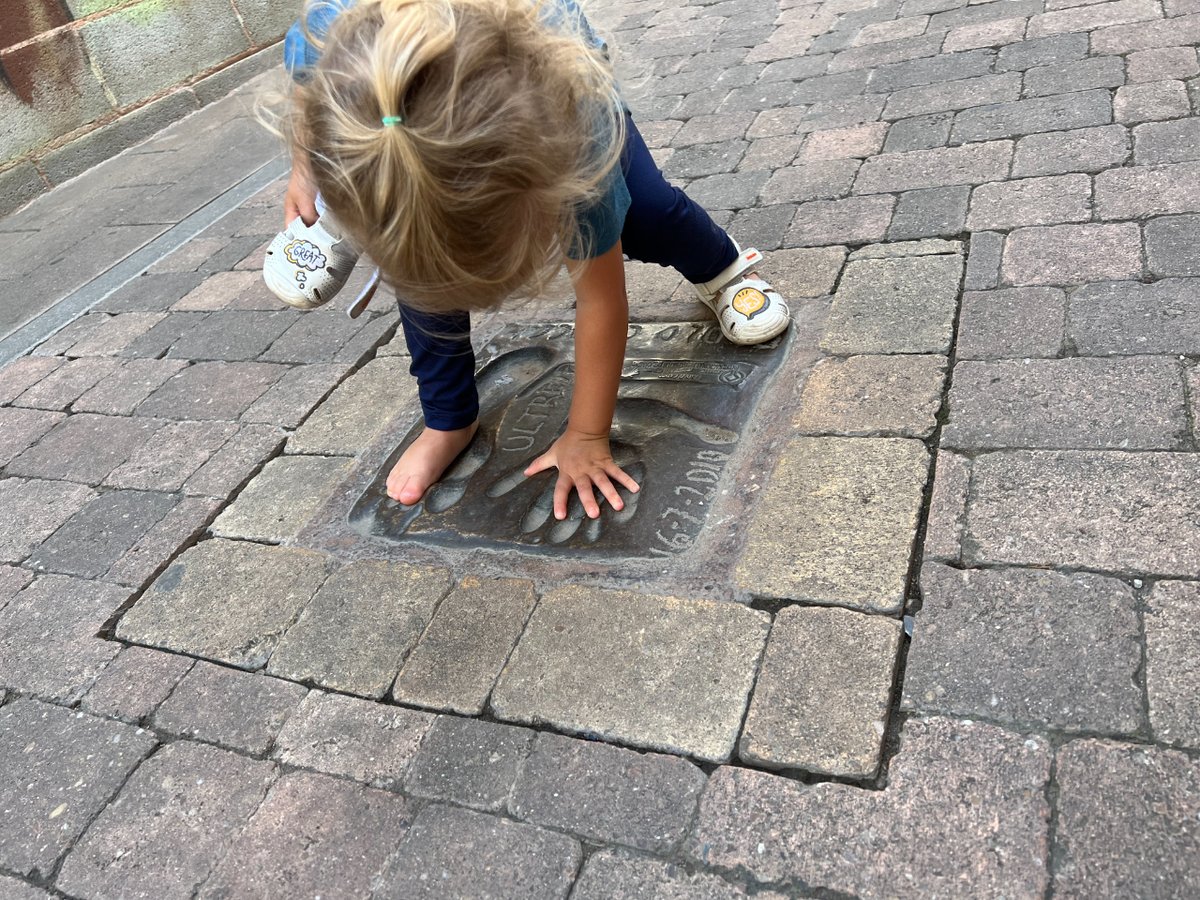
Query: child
x=468, y=147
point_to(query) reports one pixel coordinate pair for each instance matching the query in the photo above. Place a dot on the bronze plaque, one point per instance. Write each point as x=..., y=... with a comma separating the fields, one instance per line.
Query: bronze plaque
x=685, y=395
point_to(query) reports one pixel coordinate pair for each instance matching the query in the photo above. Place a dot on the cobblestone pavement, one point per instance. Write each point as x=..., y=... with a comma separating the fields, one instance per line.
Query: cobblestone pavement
x=929, y=628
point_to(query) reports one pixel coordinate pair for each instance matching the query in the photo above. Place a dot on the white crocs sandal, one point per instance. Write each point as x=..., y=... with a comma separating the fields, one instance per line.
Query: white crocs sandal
x=306, y=265
x=748, y=310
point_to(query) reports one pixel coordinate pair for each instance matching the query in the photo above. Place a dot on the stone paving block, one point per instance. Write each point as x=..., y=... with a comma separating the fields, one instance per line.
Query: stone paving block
x=953, y=95
x=904, y=305
x=688, y=663
x=1172, y=652
x=852, y=142
x=12, y=581
x=179, y=527
x=174, y=818
x=920, y=133
x=610, y=875
x=149, y=292
x=711, y=129
x=1072, y=254
x=1060, y=152
x=805, y=272
x=171, y=455
x=132, y=686
x=1019, y=322
x=119, y=393
x=872, y=395
x=464, y=647
x=313, y=836
x=63, y=385
x=1106, y=510
x=35, y=510
x=1163, y=64
x=851, y=544
x=1124, y=318
x=894, y=30
x=358, y=629
x=947, y=507
x=763, y=227
x=13, y=889
x=854, y=220
x=1171, y=245
x=85, y=448
x=358, y=410
x=768, y=153
x=216, y=291
x=996, y=33
x=233, y=335
x=975, y=164
x=1126, y=821
x=234, y=463
x=1028, y=647
x=705, y=159
x=114, y=333
x=316, y=337
x=932, y=70
x=1162, y=143
x=21, y=374
x=229, y=707
x=459, y=853
x=282, y=498
x=1021, y=117
x=932, y=211
x=190, y=256
x=469, y=762
x=1136, y=403
x=98, y=535
x=61, y=768
x=1142, y=191
x=74, y=331
x=812, y=180
x=212, y=390
x=962, y=797
x=608, y=794
x=356, y=738
x=1030, y=201
x=821, y=700
x=21, y=428
x=731, y=191
x=155, y=342
x=225, y=600
x=289, y=401
x=1151, y=101
x=1087, y=18
x=1122, y=39
x=974, y=14
x=874, y=55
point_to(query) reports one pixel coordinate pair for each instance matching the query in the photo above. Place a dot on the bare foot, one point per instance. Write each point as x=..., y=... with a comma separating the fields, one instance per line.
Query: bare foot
x=425, y=460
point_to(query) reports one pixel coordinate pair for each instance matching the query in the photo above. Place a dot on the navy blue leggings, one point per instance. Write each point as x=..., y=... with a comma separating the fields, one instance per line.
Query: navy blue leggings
x=662, y=226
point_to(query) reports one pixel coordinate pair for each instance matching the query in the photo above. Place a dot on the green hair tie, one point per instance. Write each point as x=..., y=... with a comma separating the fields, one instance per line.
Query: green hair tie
x=393, y=120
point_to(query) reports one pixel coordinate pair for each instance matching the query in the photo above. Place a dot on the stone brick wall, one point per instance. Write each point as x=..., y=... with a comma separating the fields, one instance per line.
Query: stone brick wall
x=82, y=79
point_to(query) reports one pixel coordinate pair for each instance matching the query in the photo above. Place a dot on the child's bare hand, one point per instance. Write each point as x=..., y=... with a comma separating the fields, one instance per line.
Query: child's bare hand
x=301, y=197
x=583, y=461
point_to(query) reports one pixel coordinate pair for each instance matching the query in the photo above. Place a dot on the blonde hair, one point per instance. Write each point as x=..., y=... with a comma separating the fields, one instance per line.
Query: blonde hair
x=510, y=125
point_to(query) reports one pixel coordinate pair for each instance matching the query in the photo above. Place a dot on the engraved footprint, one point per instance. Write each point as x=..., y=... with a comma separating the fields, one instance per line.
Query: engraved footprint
x=453, y=485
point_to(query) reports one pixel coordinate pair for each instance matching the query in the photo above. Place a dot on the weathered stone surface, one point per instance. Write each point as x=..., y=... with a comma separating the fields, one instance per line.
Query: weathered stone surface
x=314, y=836
x=171, y=455
x=171, y=822
x=459, y=853
x=953, y=95
x=932, y=211
x=609, y=875
x=217, y=290
x=282, y=498
x=469, y=762
x=1060, y=152
x=1171, y=245
x=854, y=220
x=583, y=647
x=1162, y=64
x=228, y=707
x=61, y=768
x=1029, y=647
x=236, y=461
x=894, y=30
x=608, y=794
x=36, y=510
x=180, y=526
x=705, y=159
x=14, y=889
x=1097, y=509
x=1126, y=821
x=821, y=699
x=1030, y=201
x=84, y=448
x=351, y=737
x=464, y=647
x=1086, y=18
x=225, y=600
x=1132, y=403
x=961, y=797
x=881, y=54
x=1142, y=191
x=920, y=133
x=974, y=164
x=1163, y=143
x=932, y=70
x=114, y=333
x=21, y=374
x=119, y=393
x=150, y=292
x=1046, y=51
x=821, y=179
x=1072, y=254
x=48, y=643
x=984, y=34
x=212, y=390
x=1152, y=101
x=288, y=402
x=1172, y=655
x=851, y=545
x=853, y=141
x=1020, y=322
x=947, y=507
x=904, y=305
x=12, y=581
x=358, y=410
x=133, y=685
x=983, y=261
x=233, y=335
x=21, y=428
x=901, y=249
x=1125, y=318
x=872, y=395
x=1059, y=113
x=1147, y=35
x=360, y=626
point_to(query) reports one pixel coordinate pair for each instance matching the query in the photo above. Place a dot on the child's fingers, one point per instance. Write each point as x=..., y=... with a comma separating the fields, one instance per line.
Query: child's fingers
x=541, y=464
x=615, y=471
x=583, y=484
x=562, y=493
x=609, y=490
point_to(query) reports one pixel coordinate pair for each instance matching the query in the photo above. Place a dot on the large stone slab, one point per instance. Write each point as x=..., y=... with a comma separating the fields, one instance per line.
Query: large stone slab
x=1030, y=647
x=655, y=672
x=964, y=812
x=836, y=523
x=904, y=305
x=1172, y=619
x=872, y=395
x=821, y=699
x=360, y=626
x=225, y=600
x=281, y=498
x=358, y=410
x=1095, y=509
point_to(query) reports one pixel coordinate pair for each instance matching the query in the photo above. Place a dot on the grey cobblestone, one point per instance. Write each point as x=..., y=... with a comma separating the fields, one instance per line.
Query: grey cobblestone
x=233, y=464
x=1152, y=101
x=1072, y=254
x=20, y=374
x=1171, y=245
x=974, y=164
x=212, y=390
x=132, y=686
x=613, y=876
x=170, y=457
x=854, y=220
x=930, y=212
x=85, y=448
x=1096, y=72
x=1032, y=201
x=63, y=386
x=953, y=95
x=705, y=159
x=921, y=133
x=996, y=33
x=947, y=507
x=1133, y=318
x=37, y=509
x=894, y=396
x=21, y=428
x=1019, y=323
x=282, y=498
x=810, y=180
x=469, y=762
x=1087, y=18
x=120, y=392
x=854, y=141
x=1084, y=150
x=1021, y=117
x=1057, y=50
x=1120, y=39
x=1161, y=143
x=1172, y=648
x=1163, y=64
